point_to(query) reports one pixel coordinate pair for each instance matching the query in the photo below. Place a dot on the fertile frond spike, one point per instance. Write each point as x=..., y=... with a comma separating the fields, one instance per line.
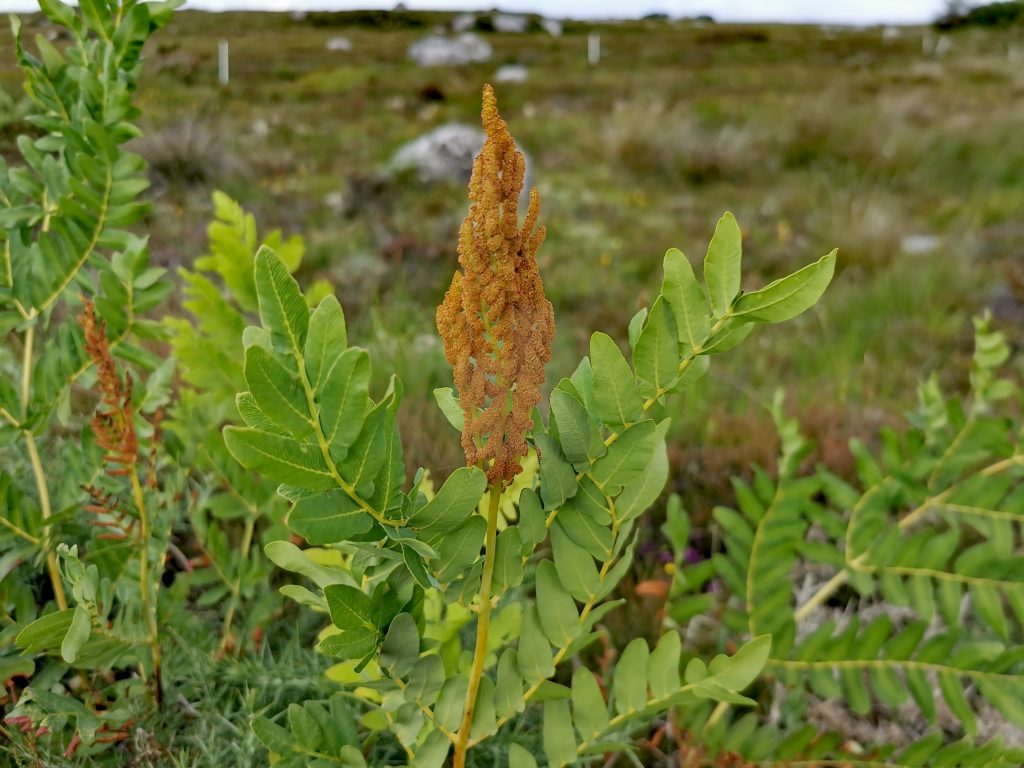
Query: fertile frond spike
x=114, y=422
x=495, y=321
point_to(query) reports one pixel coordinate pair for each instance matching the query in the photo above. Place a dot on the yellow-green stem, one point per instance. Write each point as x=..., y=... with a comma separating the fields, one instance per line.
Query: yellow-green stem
x=826, y=590
x=44, y=506
x=146, y=588
x=37, y=468
x=483, y=626
x=236, y=588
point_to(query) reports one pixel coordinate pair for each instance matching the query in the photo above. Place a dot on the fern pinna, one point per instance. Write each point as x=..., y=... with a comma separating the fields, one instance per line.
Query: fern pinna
x=910, y=584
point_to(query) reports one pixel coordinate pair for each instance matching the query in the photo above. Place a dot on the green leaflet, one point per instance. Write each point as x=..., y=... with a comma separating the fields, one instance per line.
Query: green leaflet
x=536, y=662
x=355, y=643
x=451, y=702
x=722, y=264
x=627, y=458
x=663, y=666
x=77, y=635
x=280, y=458
x=350, y=607
x=460, y=548
x=508, y=693
x=559, y=737
x=629, y=682
x=589, y=710
x=738, y=671
x=789, y=296
x=518, y=757
x=368, y=454
x=425, y=681
x=555, y=607
x=508, y=562
x=687, y=300
x=531, y=527
x=575, y=566
x=387, y=492
x=578, y=433
x=656, y=355
x=616, y=395
x=328, y=518
x=282, y=309
x=557, y=476
x=642, y=491
x=47, y=632
x=344, y=399
x=326, y=340
x=452, y=505
x=484, y=715
x=450, y=407
x=401, y=646
x=276, y=392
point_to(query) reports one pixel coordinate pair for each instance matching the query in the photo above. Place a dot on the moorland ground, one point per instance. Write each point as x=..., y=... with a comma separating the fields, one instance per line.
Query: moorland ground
x=901, y=146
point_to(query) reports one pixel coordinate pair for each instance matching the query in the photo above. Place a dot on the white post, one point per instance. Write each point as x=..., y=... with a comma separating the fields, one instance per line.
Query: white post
x=223, y=63
x=593, y=48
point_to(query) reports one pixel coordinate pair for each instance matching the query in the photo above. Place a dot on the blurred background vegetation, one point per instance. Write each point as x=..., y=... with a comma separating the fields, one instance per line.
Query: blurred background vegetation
x=902, y=146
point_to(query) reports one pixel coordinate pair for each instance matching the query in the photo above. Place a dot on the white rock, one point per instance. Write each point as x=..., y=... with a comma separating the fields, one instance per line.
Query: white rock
x=511, y=73
x=260, y=127
x=552, y=26
x=446, y=154
x=335, y=201
x=463, y=22
x=339, y=44
x=439, y=51
x=915, y=245
x=509, y=23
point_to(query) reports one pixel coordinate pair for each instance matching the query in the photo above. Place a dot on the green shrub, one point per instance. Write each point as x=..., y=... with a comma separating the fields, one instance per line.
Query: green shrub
x=912, y=583
x=1002, y=14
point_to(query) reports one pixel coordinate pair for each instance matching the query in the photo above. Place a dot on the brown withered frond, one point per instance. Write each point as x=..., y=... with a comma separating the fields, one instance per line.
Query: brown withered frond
x=114, y=422
x=495, y=321
x=109, y=513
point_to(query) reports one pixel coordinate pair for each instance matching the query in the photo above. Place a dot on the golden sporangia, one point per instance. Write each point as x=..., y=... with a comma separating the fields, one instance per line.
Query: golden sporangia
x=114, y=423
x=495, y=322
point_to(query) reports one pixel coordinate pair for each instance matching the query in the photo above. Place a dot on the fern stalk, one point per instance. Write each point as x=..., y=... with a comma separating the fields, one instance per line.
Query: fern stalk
x=829, y=587
x=145, y=587
x=37, y=467
x=482, y=627
x=236, y=585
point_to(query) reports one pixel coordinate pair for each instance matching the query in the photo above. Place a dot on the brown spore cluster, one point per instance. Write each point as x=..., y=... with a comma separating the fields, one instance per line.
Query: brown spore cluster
x=114, y=423
x=495, y=322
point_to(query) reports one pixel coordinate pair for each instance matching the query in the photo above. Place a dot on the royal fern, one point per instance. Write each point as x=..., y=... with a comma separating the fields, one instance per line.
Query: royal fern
x=910, y=582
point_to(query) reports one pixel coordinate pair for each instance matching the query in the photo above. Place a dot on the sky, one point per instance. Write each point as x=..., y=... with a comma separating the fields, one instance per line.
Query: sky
x=814, y=11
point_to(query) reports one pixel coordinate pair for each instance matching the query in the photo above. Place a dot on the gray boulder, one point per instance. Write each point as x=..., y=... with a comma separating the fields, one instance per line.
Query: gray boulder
x=511, y=73
x=440, y=51
x=445, y=154
x=463, y=22
x=509, y=23
x=552, y=26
